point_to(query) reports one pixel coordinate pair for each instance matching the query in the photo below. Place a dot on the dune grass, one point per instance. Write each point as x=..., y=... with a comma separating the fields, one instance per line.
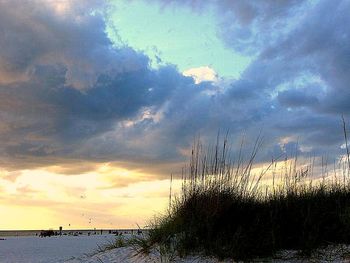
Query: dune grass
x=225, y=210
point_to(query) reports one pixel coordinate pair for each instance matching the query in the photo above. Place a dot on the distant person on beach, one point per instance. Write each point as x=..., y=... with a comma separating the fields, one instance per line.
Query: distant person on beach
x=47, y=233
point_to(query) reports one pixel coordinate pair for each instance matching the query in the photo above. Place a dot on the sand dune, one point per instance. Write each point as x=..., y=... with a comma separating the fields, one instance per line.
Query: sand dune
x=127, y=255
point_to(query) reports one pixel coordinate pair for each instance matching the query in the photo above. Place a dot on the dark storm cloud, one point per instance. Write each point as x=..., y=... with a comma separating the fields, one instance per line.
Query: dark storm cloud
x=39, y=32
x=62, y=82
x=66, y=92
x=74, y=114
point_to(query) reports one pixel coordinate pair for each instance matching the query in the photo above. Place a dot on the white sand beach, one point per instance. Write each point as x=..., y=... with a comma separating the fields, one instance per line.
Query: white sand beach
x=33, y=249
x=76, y=249
x=127, y=255
x=84, y=249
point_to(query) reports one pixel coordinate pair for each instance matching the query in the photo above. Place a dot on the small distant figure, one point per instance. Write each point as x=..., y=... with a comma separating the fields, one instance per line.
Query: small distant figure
x=139, y=232
x=47, y=233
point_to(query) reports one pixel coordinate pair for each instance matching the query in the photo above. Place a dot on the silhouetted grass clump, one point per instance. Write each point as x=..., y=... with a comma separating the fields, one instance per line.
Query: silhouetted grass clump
x=224, y=209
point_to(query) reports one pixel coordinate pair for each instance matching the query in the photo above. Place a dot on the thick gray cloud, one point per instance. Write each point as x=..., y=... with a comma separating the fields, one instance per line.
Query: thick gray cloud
x=301, y=68
x=68, y=33
x=297, y=98
x=67, y=93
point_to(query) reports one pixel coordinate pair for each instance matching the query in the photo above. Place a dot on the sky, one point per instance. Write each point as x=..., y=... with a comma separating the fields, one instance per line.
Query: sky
x=100, y=100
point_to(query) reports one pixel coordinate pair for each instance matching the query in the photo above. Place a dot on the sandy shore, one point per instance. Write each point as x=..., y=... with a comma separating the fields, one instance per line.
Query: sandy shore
x=127, y=255
x=82, y=249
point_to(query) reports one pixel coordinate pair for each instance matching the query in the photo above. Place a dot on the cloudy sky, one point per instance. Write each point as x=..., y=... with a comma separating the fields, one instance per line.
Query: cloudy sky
x=100, y=100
